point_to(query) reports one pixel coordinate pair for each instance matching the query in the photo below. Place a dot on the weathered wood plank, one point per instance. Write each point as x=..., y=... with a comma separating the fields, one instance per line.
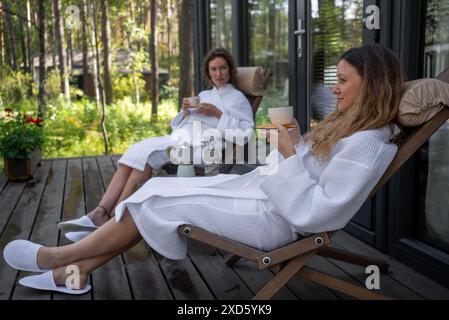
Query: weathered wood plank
x=20, y=226
x=388, y=286
x=45, y=230
x=73, y=207
x=314, y=291
x=223, y=281
x=3, y=182
x=420, y=284
x=110, y=280
x=145, y=277
x=254, y=278
x=184, y=280
x=8, y=200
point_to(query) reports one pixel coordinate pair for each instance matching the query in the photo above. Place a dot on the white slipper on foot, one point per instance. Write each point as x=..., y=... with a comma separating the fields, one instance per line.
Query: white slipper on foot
x=22, y=255
x=76, y=236
x=45, y=281
x=81, y=224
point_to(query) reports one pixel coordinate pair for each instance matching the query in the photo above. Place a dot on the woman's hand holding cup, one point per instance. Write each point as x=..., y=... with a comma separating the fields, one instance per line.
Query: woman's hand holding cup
x=284, y=140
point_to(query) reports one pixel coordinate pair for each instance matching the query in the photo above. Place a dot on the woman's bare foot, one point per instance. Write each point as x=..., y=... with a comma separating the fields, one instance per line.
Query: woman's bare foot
x=76, y=281
x=99, y=216
x=49, y=258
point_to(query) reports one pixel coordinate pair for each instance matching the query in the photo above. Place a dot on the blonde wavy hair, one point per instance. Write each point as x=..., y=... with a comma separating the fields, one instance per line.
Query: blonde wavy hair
x=377, y=105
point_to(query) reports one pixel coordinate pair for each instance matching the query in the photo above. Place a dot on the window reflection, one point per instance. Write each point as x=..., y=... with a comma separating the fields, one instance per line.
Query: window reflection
x=336, y=27
x=433, y=225
x=269, y=49
x=221, y=28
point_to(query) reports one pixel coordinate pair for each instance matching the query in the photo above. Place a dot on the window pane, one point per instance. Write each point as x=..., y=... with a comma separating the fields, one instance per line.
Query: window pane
x=221, y=28
x=336, y=27
x=269, y=49
x=433, y=218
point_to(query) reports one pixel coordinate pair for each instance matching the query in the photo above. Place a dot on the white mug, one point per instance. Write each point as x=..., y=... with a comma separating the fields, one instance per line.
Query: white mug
x=282, y=115
x=194, y=101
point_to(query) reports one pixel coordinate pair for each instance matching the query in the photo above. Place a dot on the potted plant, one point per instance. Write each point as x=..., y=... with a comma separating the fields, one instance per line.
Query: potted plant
x=21, y=140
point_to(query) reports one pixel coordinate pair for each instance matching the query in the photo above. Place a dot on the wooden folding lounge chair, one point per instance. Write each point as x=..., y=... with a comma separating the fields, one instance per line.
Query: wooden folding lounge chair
x=252, y=81
x=292, y=258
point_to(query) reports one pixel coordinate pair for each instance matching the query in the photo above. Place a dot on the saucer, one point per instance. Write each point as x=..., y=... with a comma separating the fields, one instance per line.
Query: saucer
x=272, y=126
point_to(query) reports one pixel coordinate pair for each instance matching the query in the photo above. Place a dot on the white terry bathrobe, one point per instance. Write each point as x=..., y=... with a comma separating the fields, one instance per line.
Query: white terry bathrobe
x=236, y=114
x=264, y=211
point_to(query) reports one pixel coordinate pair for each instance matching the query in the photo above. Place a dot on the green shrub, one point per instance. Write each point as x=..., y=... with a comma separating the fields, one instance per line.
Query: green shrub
x=14, y=87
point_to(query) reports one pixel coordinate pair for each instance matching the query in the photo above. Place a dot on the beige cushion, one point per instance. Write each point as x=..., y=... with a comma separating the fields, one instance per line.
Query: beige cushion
x=421, y=100
x=444, y=76
x=250, y=80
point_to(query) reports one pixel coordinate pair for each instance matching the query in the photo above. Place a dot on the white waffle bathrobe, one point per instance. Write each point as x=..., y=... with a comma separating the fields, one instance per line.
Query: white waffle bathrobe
x=237, y=114
x=265, y=212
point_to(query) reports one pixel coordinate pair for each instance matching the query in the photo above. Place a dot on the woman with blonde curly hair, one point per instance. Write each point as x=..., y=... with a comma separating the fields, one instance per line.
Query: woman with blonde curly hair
x=321, y=181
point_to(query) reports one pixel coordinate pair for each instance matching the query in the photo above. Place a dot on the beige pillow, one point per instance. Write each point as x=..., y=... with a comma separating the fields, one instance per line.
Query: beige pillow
x=250, y=80
x=444, y=75
x=421, y=100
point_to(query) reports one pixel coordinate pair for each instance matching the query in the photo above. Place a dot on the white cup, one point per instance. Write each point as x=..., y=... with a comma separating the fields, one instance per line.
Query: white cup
x=186, y=170
x=282, y=115
x=194, y=101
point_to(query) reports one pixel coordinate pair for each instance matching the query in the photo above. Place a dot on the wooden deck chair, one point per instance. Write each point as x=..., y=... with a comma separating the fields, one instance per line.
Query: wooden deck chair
x=253, y=82
x=291, y=259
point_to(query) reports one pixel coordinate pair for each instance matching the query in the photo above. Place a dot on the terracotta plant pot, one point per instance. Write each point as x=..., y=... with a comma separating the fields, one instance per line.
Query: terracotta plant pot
x=22, y=169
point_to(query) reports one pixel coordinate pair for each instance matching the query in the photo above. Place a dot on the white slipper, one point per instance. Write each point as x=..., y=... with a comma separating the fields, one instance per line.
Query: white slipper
x=22, y=255
x=81, y=224
x=45, y=281
x=76, y=236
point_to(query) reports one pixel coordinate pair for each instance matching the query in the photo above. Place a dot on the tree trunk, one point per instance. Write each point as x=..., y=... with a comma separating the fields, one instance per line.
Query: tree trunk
x=2, y=52
x=12, y=39
x=272, y=38
x=154, y=60
x=185, y=51
x=21, y=36
x=59, y=33
x=169, y=27
x=29, y=57
x=84, y=37
x=94, y=63
x=136, y=87
x=100, y=87
x=106, y=38
x=69, y=50
x=42, y=60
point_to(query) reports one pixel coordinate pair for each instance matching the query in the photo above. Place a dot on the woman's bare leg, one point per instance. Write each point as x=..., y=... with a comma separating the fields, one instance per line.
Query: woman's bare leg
x=136, y=178
x=85, y=267
x=111, y=196
x=111, y=238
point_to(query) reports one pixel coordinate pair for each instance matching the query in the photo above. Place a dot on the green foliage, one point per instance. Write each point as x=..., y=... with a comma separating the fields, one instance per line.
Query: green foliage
x=76, y=130
x=14, y=86
x=124, y=86
x=53, y=84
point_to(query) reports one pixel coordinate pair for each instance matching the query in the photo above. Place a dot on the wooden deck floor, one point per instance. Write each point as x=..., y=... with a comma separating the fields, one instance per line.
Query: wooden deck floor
x=68, y=188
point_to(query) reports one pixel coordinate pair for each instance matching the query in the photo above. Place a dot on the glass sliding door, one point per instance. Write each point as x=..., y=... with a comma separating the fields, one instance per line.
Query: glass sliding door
x=432, y=216
x=268, y=25
x=336, y=25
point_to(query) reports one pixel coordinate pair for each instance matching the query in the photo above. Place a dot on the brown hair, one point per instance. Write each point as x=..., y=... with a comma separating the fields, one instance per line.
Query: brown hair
x=376, y=106
x=219, y=53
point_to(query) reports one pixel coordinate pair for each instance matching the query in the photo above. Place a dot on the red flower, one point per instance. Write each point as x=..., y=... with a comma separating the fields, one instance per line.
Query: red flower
x=37, y=120
x=28, y=119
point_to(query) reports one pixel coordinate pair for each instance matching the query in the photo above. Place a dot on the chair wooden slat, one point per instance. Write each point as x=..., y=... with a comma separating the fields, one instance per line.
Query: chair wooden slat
x=411, y=145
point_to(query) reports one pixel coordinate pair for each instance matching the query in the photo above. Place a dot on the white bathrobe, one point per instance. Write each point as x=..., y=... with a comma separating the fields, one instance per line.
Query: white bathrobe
x=265, y=212
x=236, y=114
